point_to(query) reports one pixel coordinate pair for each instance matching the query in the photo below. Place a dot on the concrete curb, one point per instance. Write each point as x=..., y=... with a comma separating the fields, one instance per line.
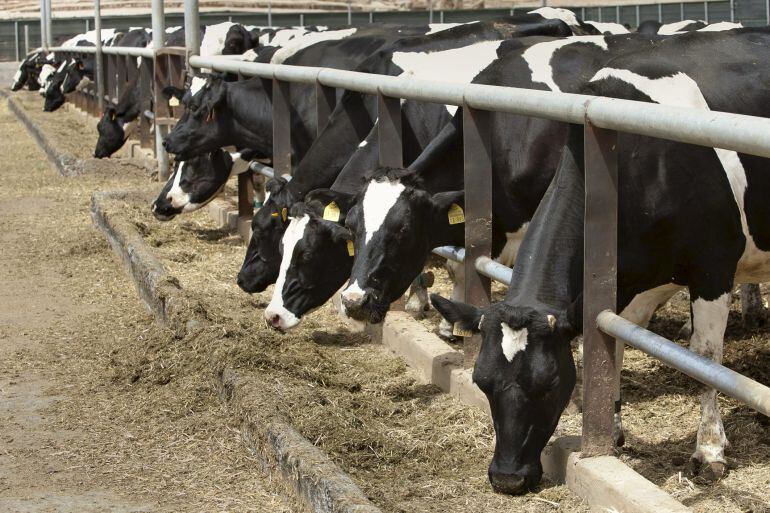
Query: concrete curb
x=66, y=165
x=605, y=482
x=159, y=291
x=307, y=475
x=320, y=485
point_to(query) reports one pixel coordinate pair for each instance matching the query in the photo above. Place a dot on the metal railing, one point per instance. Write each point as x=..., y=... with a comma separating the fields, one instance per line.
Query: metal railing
x=602, y=118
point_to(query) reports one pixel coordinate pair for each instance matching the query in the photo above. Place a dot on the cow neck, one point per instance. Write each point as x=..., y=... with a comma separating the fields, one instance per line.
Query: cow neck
x=324, y=162
x=549, y=266
x=247, y=101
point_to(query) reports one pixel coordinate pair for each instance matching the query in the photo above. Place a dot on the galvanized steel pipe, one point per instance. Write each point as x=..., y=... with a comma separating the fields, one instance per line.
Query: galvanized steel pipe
x=703, y=369
x=262, y=169
x=192, y=28
x=158, y=40
x=745, y=134
x=99, y=60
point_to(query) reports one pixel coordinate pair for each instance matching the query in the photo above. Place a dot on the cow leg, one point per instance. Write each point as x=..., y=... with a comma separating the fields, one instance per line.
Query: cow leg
x=639, y=311
x=753, y=309
x=417, y=298
x=457, y=275
x=709, y=319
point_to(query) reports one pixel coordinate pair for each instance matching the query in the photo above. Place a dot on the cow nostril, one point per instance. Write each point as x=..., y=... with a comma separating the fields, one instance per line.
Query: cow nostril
x=275, y=320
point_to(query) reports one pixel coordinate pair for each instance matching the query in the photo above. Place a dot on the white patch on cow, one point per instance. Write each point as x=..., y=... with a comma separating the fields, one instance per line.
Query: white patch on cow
x=378, y=200
x=196, y=84
x=672, y=28
x=213, y=40
x=538, y=57
x=89, y=37
x=138, y=62
x=294, y=233
x=721, y=26
x=513, y=342
x=465, y=63
x=551, y=13
x=281, y=37
x=643, y=305
x=240, y=165
x=612, y=28
x=61, y=67
x=17, y=76
x=177, y=197
x=171, y=30
x=50, y=57
x=362, y=144
x=435, y=28
x=46, y=73
x=309, y=39
x=513, y=242
x=249, y=55
x=354, y=292
x=682, y=91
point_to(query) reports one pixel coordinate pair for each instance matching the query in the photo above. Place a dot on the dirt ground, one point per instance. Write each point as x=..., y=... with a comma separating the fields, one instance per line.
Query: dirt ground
x=409, y=447
x=75, y=436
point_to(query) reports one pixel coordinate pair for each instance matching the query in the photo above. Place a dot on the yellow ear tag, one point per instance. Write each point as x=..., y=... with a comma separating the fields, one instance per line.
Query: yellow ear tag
x=456, y=214
x=173, y=101
x=458, y=331
x=351, y=249
x=274, y=214
x=332, y=212
x=284, y=213
x=112, y=116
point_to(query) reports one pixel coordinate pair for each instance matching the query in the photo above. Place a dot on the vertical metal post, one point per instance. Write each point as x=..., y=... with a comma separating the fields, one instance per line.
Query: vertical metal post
x=441, y=16
x=26, y=39
x=732, y=11
x=269, y=14
x=325, y=101
x=88, y=24
x=637, y=16
x=48, y=26
x=583, y=13
x=302, y=19
x=350, y=13
x=371, y=17
x=600, y=13
x=706, y=11
x=42, y=23
x=281, y=128
x=599, y=285
x=430, y=11
x=98, y=57
x=389, y=133
x=477, y=172
x=617, y=14
x=158, y=40
x=681, y=11
x=192, y=30
x=767, y=11
x=16, y=38
x=660, y=13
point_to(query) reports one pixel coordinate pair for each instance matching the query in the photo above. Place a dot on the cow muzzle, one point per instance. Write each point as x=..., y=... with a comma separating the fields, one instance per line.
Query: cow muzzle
x=362, y=305
x=279, y=318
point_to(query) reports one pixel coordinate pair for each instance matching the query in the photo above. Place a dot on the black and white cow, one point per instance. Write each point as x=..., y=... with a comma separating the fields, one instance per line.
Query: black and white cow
x=195, y=182
x=656, y=27
x=354, y=118
x=689, y=216
x=398, y=219
x=29, y=71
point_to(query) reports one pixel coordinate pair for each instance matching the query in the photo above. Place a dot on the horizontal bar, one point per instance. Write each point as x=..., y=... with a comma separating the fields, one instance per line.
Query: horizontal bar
x=262, y=169
x=703, y=369
x=149, y=115
x=130, y=51
x=746, y=134
x=484, y=265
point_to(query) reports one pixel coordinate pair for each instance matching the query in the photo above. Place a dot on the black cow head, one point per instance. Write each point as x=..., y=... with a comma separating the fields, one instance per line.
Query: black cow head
x=263, y=256
x=193, y=184
x=74, y=74
x=526, y=370
x=54, y=97
x=200, y=129
x=396, y=224
x=111, y=134
x=316, y=258
x=237, y=40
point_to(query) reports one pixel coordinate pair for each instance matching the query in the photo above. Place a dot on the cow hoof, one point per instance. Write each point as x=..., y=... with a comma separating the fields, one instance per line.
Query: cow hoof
x=619, y=438
x=710, y=472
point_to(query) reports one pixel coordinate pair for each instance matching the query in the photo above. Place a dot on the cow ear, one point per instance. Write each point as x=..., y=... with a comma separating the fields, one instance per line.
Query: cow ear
x=173, y=92
x=339, y=233
x=275, y=185
x=466, y=317
x=217, y=91
x=443, y=201
x=570, y=324
x=111, y=113
x=325, y=197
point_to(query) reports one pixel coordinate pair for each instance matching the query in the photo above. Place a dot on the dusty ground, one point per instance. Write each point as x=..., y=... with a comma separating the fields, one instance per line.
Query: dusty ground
x=75, y=436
